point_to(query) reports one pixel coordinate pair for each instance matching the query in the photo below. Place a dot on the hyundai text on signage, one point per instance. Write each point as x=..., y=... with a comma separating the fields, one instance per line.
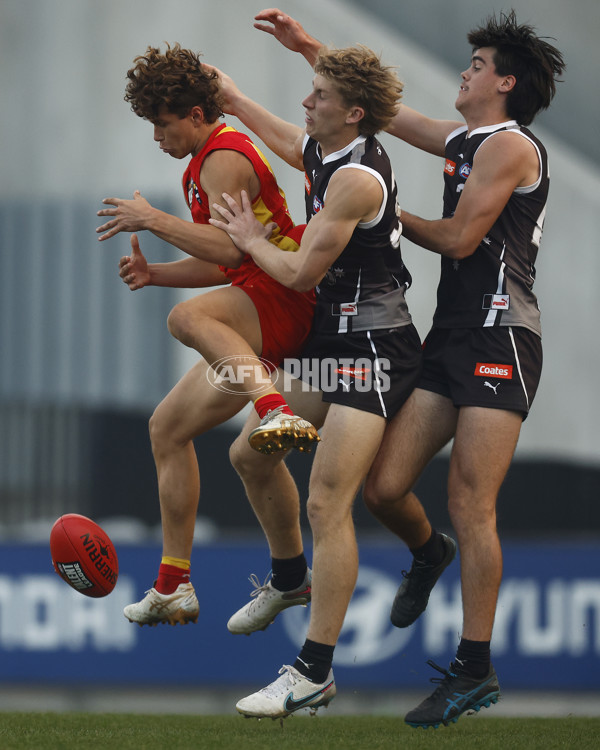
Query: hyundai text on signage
x=546, y=635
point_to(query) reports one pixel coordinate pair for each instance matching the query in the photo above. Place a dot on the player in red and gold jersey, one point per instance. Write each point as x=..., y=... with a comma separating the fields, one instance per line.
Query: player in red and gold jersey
x=248, y=326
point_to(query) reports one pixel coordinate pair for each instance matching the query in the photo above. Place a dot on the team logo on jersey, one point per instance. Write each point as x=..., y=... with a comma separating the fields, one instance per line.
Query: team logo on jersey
x=193, y=191
x=485, y=369
x=465, y=170
x=450, y=167
x=317, y=205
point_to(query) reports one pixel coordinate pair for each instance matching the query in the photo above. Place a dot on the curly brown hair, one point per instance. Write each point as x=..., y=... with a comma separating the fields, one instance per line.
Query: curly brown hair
x=362, y=80
x=174, y=80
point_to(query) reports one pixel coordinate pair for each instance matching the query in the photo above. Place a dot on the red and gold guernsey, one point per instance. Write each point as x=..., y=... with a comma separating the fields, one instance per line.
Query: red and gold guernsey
x=269, y=205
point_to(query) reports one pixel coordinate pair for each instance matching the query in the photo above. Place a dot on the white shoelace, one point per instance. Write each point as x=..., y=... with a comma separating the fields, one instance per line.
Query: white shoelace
x=282, y=684
x=258, y=586
x=271, y=414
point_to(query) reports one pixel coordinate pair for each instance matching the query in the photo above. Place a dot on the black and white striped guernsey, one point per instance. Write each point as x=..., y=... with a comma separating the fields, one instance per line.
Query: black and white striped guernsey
x=494, y=285
x=364, y=288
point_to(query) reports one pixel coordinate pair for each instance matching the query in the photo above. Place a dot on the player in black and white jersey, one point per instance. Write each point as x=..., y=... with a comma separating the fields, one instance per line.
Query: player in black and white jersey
x=494, y=285
x=362, y=330
x=361, y=314
x=483, y=357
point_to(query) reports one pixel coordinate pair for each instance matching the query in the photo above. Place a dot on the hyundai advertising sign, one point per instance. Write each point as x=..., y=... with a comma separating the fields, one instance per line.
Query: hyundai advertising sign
x=547, y=631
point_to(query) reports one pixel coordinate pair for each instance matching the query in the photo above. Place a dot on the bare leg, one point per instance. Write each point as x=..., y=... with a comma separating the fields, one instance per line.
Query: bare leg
x=190, y=409
x=273, y=495
x=341, y=464
x=483, y=449
x=421, y=428
x=274, y=498
x=270, y=488
x=221, y=324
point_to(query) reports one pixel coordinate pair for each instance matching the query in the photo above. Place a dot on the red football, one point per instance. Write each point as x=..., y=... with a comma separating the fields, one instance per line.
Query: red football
x=83, y=555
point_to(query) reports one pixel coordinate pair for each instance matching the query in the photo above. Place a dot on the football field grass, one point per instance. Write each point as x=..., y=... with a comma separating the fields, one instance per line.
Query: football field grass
x=45, y=731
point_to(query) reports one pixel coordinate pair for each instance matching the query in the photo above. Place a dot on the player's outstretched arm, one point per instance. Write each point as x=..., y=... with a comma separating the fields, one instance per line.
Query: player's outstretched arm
x=288, y=32
x=127, y=216
x=409, y=125
x=200, y=241
x=421, y=131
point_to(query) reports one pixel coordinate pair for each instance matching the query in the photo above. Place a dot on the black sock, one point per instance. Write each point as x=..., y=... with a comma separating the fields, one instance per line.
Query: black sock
x=314, y=660
x=432, y=551
x=288, y=574
x=473, y=658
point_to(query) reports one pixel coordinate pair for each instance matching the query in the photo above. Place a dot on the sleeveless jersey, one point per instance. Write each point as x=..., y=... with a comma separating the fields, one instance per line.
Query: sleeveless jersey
x=364, y=288
x=269, y=205
x=494, y=285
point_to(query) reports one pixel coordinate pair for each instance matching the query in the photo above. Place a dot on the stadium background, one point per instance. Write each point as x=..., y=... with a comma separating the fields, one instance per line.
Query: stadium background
x=83, y=361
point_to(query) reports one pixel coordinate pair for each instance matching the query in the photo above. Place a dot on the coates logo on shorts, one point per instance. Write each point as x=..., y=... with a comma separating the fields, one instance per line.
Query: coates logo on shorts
x=485, y=369
x=242, y=374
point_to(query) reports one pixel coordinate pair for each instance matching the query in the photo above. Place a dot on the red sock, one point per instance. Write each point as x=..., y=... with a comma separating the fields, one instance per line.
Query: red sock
x=169, y=577
x=265, y=404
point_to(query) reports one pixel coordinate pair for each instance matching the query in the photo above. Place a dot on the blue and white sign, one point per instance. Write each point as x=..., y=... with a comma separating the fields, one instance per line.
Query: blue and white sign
x=547, y=630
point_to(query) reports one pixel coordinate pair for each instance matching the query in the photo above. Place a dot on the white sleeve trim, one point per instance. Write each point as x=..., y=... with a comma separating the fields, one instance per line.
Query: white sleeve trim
x=456, y=132
x=526, y=188
x=379, y=178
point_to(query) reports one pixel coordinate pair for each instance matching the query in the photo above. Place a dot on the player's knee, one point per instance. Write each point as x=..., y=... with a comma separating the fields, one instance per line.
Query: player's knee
x=174, y=322
x=179, y=324
x=469, y=508
x=316, y=515
x=379, y=495
x=160, y=433
x=371, y=496
x=249, y=464
x=326, y=513
x=235, y=456
x=154, y=428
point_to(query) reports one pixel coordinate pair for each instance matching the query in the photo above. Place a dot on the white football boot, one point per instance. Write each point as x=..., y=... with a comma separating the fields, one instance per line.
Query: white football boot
x=287, y=694
x=179, y=607
x=279, y=432
x=266, y=603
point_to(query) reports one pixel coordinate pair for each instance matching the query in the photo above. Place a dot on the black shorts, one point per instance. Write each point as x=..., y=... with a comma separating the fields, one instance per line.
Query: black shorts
x=497, y=368
x=373, y=371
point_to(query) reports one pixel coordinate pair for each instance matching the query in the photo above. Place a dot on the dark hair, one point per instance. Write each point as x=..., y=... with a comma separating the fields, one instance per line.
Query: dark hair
x=175, y=81
x=533, y=62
